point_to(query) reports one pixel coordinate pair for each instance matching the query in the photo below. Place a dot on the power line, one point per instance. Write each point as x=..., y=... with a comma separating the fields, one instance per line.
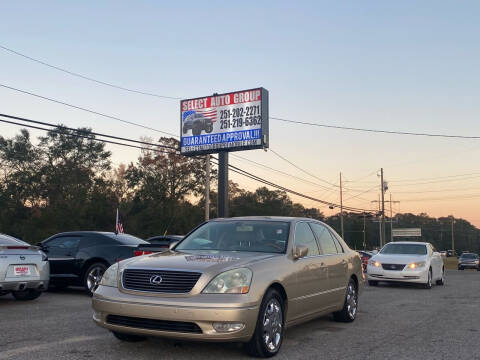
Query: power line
x=233, y=168
x=72, y=73
x=90, y=132
x=81, y=136
x=87, y=110
x=281, y=172
x=87, y=77
x=302, y=170
x=436, y=178
x=375, y=130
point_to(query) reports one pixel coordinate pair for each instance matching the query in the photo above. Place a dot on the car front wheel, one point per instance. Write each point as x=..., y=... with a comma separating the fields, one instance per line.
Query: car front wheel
x=268, y=336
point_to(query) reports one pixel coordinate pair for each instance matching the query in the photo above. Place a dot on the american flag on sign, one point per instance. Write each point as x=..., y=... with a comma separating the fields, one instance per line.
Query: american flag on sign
x=118, y=224
x=206, y=113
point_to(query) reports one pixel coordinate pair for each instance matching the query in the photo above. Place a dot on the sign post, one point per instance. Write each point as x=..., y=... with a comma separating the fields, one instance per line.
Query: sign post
x=221, y=123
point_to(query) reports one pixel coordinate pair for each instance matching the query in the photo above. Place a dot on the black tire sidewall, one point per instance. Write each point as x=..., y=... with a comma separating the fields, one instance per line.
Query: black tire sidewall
x=257, y=339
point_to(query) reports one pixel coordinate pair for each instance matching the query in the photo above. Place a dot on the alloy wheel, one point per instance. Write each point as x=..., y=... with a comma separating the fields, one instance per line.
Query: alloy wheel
x=94, y=277
x=272, y=325
x=352, y=301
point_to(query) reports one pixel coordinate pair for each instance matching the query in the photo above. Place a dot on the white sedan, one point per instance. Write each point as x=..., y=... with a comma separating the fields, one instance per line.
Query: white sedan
x=413, y=262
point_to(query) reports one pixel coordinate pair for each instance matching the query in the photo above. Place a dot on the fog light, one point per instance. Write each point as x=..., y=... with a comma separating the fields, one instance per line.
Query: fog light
x=224, y=327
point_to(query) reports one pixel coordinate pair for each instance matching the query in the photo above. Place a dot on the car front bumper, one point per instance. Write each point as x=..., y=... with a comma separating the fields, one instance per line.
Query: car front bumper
x=468, y=265
x=111, y=301
x=413, y=276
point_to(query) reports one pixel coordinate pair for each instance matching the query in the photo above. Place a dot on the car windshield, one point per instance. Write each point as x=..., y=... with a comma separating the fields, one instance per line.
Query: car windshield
x=250, y=236
x=469, y=256
x=404, y=249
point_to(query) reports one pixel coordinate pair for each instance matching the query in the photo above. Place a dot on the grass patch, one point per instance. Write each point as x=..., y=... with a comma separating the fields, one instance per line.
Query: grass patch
x=451, y=263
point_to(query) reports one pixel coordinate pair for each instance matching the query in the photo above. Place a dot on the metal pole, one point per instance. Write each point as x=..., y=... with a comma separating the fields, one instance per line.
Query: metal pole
x=341, y=208
x=379, y=224
x=383, y=208
x=207, y=187
x=453, y=239
x=391, y=219
x=223, y=184
x=364, y=236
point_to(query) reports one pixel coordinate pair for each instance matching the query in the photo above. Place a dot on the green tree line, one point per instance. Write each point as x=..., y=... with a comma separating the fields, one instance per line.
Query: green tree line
x=65, y=181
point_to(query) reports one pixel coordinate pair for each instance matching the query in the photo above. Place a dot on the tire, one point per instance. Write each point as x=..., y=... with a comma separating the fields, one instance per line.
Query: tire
x=461, y=268
x=372, y=282
x=128, y=337
x=271, y=312
x=350, y=306
x=441, y=281
x=25, y=295
x=209, y=128
x=478, y=269
x=92, y=277
x=428, y=284
x=196, y=130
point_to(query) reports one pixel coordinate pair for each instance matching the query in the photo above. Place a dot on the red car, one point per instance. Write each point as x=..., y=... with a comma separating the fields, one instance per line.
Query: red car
x=366, y=255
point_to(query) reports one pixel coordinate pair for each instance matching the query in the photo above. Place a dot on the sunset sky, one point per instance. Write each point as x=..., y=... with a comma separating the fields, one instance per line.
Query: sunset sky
x=408, y=66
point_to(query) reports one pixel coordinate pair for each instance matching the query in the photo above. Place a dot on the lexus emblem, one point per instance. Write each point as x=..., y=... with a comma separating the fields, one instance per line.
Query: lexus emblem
x=156, y=280
x=22, y=257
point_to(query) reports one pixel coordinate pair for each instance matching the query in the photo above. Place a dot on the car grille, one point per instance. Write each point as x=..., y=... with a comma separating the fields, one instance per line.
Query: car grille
x=160, y=281
x=396, y=267
x=152, y=324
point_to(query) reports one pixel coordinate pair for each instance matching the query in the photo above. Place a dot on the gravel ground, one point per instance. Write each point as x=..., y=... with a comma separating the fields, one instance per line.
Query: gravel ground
x=394, y=322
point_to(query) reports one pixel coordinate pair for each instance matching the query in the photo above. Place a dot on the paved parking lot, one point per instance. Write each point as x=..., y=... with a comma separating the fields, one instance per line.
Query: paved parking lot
x=394, y=322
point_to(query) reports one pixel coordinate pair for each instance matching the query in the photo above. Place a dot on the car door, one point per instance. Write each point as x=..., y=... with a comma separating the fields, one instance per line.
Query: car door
x=334, y=258
x=311, y=275
x=61, y=253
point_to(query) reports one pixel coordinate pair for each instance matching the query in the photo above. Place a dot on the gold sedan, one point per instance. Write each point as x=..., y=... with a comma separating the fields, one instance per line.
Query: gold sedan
x=238, y=279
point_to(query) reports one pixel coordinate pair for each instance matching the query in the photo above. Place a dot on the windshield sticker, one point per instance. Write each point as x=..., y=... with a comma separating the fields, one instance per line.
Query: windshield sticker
x=210, y=258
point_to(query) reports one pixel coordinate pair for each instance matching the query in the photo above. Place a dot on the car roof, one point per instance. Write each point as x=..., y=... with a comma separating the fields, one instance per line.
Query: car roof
x=167, y=237
x=268, y=218
x=408, y=242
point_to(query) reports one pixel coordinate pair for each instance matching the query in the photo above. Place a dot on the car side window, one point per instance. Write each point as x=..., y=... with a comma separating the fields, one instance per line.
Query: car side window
x=305, y=237
x=337, y=244
x=64, y=242
x=327, y=243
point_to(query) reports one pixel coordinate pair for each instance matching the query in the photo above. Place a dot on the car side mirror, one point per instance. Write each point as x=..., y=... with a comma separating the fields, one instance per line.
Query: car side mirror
x=300, y=252
x=436, y=253
x=172, y=245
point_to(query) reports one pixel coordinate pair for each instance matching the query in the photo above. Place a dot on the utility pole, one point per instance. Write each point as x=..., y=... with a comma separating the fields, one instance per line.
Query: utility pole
x=382, y=188
x=341, y=207
x=364, y=235
x=453, y=239
x=207, y=187
x=223, y=184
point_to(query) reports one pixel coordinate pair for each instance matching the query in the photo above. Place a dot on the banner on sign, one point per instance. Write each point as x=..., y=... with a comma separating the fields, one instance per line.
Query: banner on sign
x=411, y=232
x=224, y=122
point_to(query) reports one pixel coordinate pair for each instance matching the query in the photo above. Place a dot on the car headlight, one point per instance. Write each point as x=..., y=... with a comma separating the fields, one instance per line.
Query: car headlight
x=374, y=263
x=235, y=281
x=110, y=276
x=416, y=265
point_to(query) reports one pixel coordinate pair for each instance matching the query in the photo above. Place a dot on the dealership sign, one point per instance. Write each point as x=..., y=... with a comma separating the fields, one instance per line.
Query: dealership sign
x=224, y=122
x=407, y=232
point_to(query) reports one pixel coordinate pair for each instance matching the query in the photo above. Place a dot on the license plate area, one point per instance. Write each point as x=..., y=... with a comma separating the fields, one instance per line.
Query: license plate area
x=21, y=270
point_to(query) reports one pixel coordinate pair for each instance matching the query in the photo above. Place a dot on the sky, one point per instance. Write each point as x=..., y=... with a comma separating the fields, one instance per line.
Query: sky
x=407, y=66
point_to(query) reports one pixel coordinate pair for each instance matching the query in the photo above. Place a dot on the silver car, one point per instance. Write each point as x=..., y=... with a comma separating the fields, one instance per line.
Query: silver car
x=24, y=269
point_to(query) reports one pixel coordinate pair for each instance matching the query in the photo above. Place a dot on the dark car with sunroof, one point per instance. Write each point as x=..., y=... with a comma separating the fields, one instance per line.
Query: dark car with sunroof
x=80, y=258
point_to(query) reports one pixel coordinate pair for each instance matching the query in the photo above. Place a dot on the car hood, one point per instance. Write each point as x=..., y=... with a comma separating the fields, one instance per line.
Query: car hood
x=398, y=259
x=202, y=261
